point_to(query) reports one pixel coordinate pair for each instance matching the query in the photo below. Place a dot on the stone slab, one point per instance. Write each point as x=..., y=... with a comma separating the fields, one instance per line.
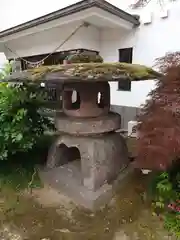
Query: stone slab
x=68, y=180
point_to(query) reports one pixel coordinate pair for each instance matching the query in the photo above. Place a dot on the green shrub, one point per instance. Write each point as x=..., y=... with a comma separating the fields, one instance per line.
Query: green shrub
x=166, y=189
x=6, y=70
x=172, y=223
x=21, y=123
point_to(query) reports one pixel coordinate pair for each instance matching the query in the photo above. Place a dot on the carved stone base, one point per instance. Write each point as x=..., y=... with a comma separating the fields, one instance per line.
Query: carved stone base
x=100, y=158
x=67, y=179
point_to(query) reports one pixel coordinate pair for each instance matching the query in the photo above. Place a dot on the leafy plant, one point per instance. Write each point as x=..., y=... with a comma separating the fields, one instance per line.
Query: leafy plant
x=164, y=191
x=172, y=223
x=166, y=199
x=6, y=70
x=159, y=121
x=21, y=122
x=171, y=59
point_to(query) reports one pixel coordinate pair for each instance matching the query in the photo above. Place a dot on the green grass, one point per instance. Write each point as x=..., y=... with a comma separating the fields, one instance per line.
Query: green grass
x=18, y=177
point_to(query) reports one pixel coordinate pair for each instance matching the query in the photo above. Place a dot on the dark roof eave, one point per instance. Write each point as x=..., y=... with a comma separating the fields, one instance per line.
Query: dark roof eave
x=74, y=8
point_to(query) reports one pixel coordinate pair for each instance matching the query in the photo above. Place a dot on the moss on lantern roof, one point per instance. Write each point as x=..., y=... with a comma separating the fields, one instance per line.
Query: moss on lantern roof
x=84, y=57
x=80, y=72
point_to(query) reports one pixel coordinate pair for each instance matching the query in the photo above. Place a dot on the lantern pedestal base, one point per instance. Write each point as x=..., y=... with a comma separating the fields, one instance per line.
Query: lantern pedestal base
x=87, y=169
x=67, y=180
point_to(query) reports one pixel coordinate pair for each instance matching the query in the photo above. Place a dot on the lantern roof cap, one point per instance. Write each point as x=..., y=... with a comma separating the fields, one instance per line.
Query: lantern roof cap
x=86, y=72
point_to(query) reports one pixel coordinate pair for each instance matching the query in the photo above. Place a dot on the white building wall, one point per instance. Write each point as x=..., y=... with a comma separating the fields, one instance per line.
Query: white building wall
x=2, y=60
x=112, y=41
x=149, y=42
x=48, y=40
x=21, y=11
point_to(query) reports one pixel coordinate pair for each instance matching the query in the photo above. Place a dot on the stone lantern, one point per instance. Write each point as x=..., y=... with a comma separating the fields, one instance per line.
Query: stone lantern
x=89, y=157
x=88, y=154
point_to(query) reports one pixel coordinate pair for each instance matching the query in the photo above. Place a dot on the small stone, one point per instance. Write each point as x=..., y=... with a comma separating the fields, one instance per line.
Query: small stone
x=145, y=171
x=123, y=221
x=92, y=215
x=64, y=230
x=112, y=202
x=121, y=236
x=107, y=229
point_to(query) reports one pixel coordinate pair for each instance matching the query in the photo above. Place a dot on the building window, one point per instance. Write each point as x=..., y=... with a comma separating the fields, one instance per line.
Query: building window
x=125, y=55
x=124, y=85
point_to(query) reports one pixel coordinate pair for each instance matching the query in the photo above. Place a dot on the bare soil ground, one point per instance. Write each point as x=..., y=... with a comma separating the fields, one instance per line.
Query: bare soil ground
x=47, y=214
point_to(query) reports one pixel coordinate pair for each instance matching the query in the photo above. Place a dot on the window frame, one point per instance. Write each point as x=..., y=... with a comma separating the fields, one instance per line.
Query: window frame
x=126, y=88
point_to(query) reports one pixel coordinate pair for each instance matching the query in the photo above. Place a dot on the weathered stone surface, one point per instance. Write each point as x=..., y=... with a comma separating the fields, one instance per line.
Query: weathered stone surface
x=67, y=179
x=89, y=126
x=86, y=72
x=102, y=157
